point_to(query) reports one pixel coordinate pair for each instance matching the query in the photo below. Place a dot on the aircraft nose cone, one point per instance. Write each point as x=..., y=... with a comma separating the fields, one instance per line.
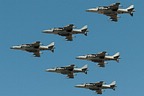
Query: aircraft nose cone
x=50, y=70
x=15, y=47
x=79, y=86
x=47, y=70
x=44, y=31
x=81, y=57
x=88, y=10
x=11, y=47
x=47, y=31
x=92, y=10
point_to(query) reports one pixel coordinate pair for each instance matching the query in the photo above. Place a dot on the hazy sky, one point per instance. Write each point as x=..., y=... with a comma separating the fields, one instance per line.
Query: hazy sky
x=22, y=21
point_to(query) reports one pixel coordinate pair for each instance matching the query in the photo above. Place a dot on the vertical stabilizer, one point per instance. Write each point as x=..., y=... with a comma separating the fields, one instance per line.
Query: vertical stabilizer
x=130, y=9
x=51, y=46
x=116, y=56
x=84, y=69
x=113, y=85
x=84, y=29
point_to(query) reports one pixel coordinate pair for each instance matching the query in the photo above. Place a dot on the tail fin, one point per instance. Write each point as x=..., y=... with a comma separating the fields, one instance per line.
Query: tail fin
x=131, y=10
x=116, y=56
x=51, y=46
x=113, y=85
x=85, y=29
x=84, y=69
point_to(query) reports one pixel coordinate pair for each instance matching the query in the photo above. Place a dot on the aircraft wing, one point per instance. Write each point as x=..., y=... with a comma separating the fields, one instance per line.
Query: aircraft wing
x=69, y=38
x=69, y=27
x=99, y=84
x=69, y=68
x=101, y=54
x=114, y=6
x=36, y=44
x=113, y=17
x=36, y=54
x=101, y=64
x=70, y=75
x=99, y=91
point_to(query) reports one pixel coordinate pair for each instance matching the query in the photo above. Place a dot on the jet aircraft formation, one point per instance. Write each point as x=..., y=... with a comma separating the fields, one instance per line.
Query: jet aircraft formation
x=112, y=11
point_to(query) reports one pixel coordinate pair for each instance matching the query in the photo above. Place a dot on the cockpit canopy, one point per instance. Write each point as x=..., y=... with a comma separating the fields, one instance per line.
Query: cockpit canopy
x=91, y=55
x=102, y=7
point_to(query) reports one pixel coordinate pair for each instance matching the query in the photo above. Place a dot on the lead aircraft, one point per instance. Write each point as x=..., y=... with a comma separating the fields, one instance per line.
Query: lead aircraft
x=112, y=10
x=67, y=31
x=35, y=48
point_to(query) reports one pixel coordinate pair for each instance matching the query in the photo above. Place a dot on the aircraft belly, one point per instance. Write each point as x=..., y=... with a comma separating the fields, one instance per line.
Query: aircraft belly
x=106, y=12
x=93, y=88
x=63, y=71
x=96, y=59
x=60, y=71
x=64, y=33
x=31, y=49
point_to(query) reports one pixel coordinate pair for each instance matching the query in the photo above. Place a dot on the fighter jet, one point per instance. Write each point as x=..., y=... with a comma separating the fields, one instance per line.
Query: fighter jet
x=112, y=11
x=69, y=70
x=35, y=47
x=98, y=86
x=67, y=31
x=100, y=58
